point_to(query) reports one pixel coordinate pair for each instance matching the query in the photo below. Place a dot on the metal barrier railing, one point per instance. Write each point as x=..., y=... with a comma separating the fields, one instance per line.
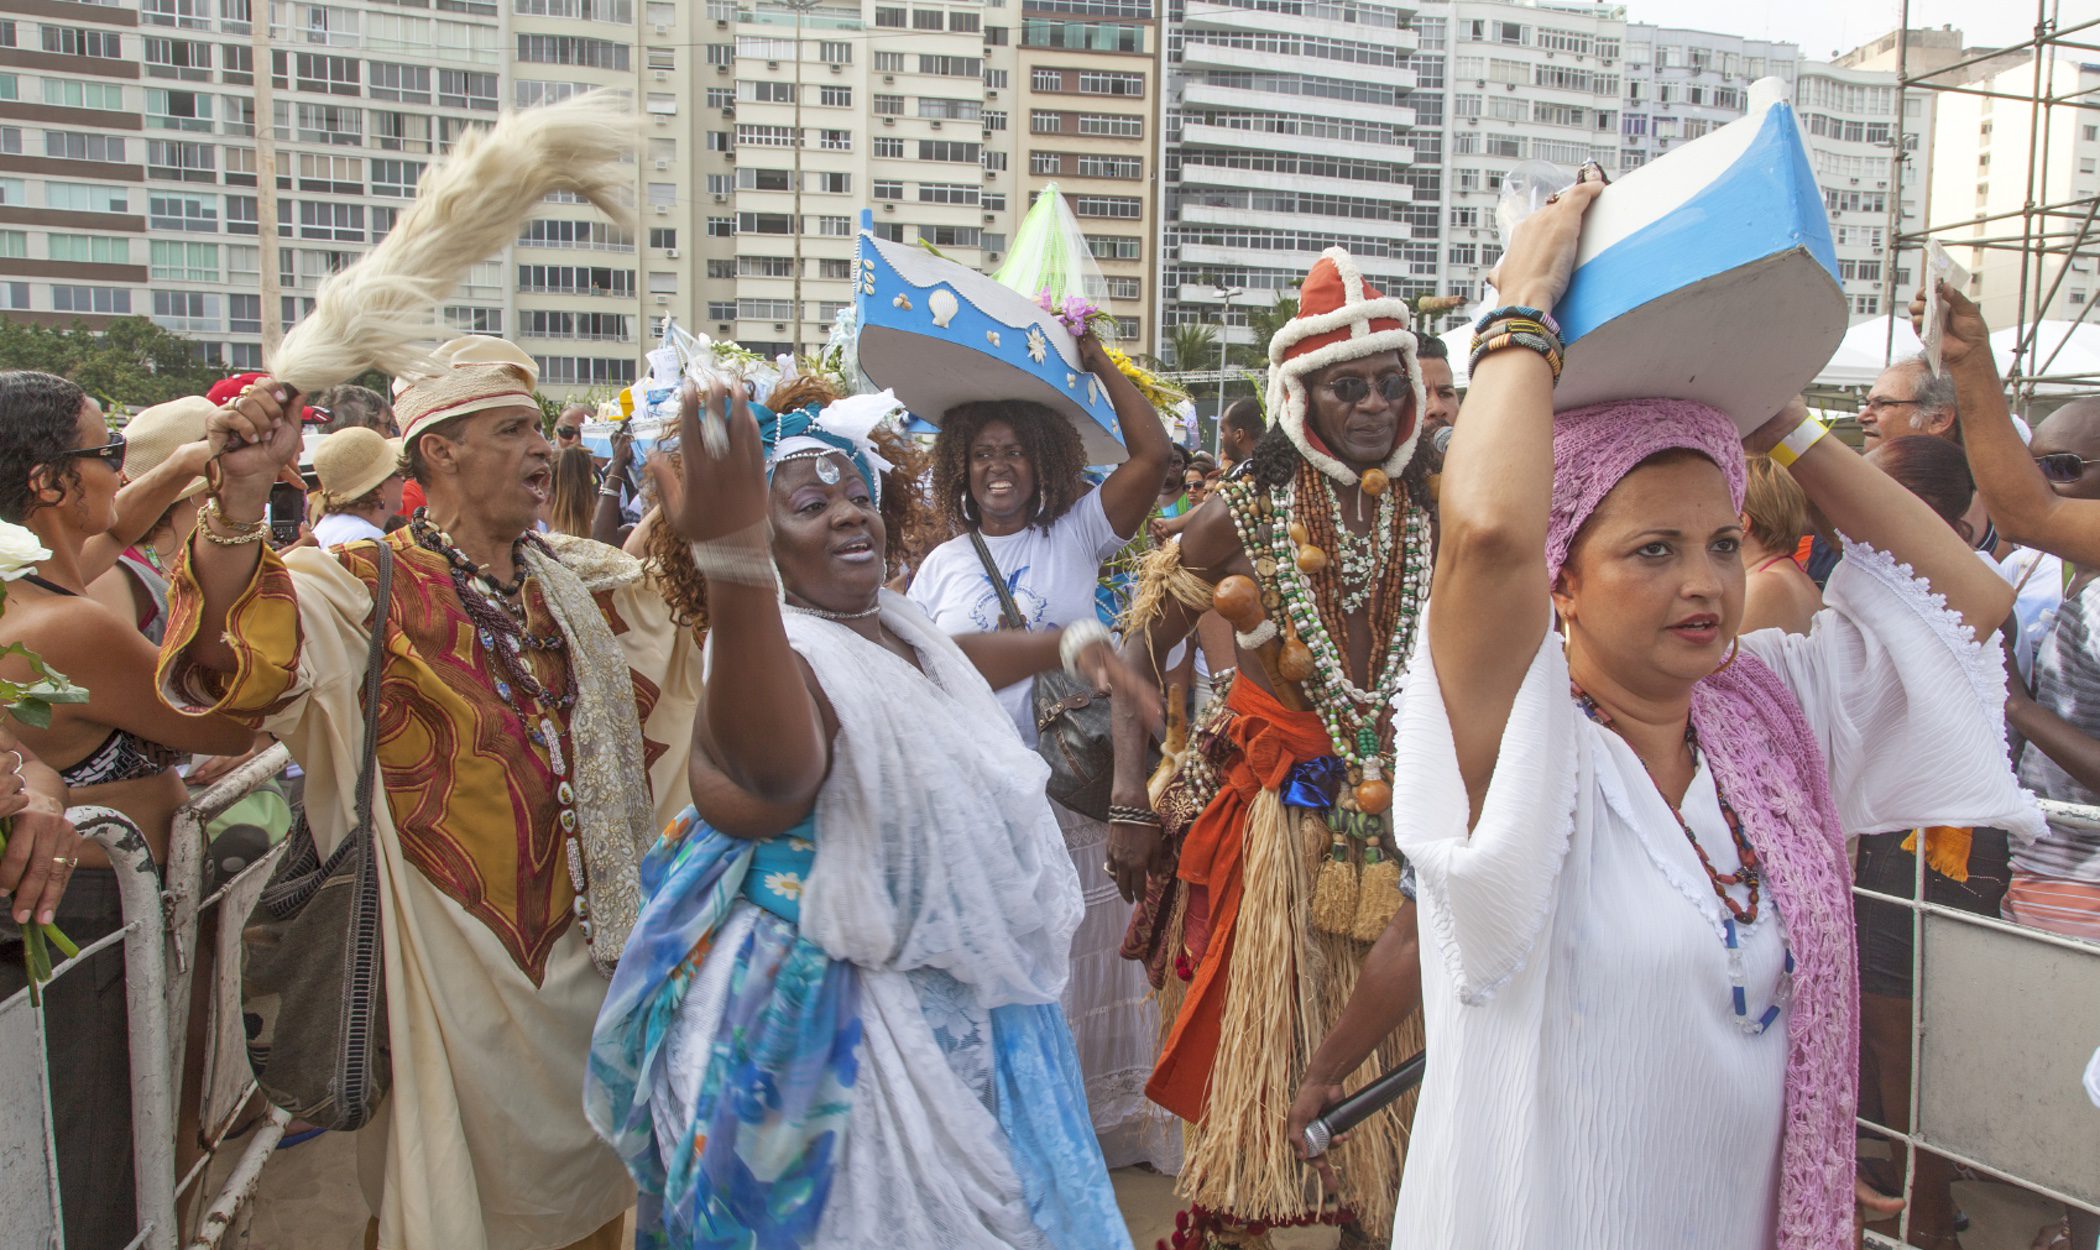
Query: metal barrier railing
x=1995, y=958
x=163, y=914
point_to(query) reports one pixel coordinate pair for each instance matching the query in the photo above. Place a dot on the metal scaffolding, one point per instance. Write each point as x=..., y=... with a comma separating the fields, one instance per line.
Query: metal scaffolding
x=2048, y=235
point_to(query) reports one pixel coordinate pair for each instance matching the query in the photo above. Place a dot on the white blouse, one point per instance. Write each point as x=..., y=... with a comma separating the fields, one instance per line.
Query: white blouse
x=1589, y=1081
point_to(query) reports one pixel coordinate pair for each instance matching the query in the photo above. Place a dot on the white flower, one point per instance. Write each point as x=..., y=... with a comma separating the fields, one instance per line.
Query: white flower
x=1036, y=344
x=20, y=552
x=787, y=885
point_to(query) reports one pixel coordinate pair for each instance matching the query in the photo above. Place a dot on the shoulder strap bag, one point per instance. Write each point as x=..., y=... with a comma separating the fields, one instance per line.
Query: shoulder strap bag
x=313, y=982
x=1071, y=719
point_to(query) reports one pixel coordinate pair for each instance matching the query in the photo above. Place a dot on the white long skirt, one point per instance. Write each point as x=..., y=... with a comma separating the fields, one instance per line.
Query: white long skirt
x=1114, y=1014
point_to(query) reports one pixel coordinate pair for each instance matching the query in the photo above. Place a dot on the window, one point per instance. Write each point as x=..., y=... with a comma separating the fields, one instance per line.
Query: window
x=835, y=97
x=889, y=148
x=948, y=150
x=1111, y=167
x=752, y=179
x=1047, y=80
x=187, y=162
x=331, y=123
x=244, y=314
x=176, y=261
x=589, y=235
x=178, y=110
x=1045, y=122
x=721, y=54
x=889, y=62
x=71, y=145
x=832, y=183
x=14, y=192
x=410, y=83
x=926, y=19
x=94, y=249
x=396, y=178
x=840, y=267
x=1039, y=32
x=995, y=79
x=1046, y=163
x=548, y=324
x=400, y=132
x=663, y=238
x=765, y=223
x=572, y=50
x=835, y=140
x=995, y=36
x=951, y=66
x=190, y=14
x=754, y=136
x=1125, y=207
x=458, y=88
x=1102, y=83
x=344, y=175
x=721, y=227
x=948, y=193
x=951, y=236
x=1111, y=126
x=994, y=160
x=766, y=92
x=1112, y=247
x=835, y=227
x=14, y=244
x=721, y=310
x=66, y=93
x=889, y=106
x=835, y=52
x=76, y=41
x=1123, y=288
x=963, y=22
x=892, y=18
x=941, y=109
x=994, y=119
x=323, y=219
x=77, y=197
x=765, y=266
x=617, y=12
x=576, y=280
x=765, y=309
x=105, y=300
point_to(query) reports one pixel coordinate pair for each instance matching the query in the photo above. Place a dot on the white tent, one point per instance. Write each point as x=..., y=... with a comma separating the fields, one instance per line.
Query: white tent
x=2061, y=348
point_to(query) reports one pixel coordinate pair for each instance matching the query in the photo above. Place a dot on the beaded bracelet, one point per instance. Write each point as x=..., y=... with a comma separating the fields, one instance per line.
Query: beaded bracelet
x=1518, y=310
x=1537, y=343
x=1121, y=815
x=1517, y=323
x=1077, y=637
x=243, y=533
x=1258, y=637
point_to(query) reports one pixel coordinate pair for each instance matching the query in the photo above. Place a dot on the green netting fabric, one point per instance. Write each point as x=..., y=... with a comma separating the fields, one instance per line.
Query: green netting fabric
x=1049, y=253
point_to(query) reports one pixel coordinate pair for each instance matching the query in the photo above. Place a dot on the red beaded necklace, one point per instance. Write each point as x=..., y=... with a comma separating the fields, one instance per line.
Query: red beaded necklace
x=1746, y=874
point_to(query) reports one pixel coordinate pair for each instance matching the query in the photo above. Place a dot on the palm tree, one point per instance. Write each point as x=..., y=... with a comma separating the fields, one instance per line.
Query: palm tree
x=1265, y=322
x=1194, y=345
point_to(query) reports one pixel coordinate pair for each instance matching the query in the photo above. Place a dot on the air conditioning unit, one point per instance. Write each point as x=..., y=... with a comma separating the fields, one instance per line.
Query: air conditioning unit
x=721, y=69
x=772, y=65
x=936, y=125
x=671, y=252
x=780, y=325
x=721, y=197
x=889, y=78
x=991, y=93
x=992, y=257
x=663, y=75
x=663, y=210
x=990, y=217
x=729, y=110
x=889, y=208
x=661, y=29
x=721, y=23
x=889, y=121
x=662, y=119
x=837, y=68
x=663, y=164
x=663, y=299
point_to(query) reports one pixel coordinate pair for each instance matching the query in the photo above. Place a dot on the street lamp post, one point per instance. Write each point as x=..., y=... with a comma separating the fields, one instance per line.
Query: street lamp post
x=1226, y=294
x=800, y=7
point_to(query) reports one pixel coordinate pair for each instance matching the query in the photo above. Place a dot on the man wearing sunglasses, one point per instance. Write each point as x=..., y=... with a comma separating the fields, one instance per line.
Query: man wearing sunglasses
x=1330, y=525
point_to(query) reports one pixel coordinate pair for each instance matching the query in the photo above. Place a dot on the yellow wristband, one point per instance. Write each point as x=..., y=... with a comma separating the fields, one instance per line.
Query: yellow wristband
x=1798, y=440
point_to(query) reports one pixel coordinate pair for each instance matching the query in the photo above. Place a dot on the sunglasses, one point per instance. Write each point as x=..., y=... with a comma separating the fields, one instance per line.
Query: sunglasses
x=565, y=432
x=1351, y=389
x=2063, y=466
x=110, y=453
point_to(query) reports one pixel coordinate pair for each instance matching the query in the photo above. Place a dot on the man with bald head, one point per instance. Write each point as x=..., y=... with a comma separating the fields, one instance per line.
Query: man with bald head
x=1907, y=399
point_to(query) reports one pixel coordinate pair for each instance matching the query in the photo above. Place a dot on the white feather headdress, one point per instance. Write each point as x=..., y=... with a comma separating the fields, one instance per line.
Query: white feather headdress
x=382, y=312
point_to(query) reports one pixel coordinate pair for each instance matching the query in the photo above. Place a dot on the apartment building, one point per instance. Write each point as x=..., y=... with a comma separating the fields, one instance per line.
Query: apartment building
x=129, y=166
x=1850, y=117
x=1287, y=129
x=1680, y=84
x=1982, y=177
x=1086, y=116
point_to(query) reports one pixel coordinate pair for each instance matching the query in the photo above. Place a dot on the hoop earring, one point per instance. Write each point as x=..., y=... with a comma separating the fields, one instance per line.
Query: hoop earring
x=1735, y=646
x=969, y=517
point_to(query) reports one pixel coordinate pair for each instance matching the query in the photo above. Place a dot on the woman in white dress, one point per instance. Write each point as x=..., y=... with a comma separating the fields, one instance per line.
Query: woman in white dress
x=1008, y=474
x=1638, y=968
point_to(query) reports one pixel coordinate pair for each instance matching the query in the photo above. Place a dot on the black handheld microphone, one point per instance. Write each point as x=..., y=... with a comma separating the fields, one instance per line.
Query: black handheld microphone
x=1362, y=1105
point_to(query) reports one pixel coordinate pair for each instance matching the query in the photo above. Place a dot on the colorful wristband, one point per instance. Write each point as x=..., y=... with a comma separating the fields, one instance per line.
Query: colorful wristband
x=1798, y=440
x=1518, y=310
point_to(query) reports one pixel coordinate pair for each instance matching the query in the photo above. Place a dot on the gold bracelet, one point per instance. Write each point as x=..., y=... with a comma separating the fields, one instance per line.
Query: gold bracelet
x=252, y=532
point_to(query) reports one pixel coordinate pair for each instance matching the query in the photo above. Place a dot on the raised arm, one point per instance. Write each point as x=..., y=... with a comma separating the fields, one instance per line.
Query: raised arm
x=760, y=725
x=141, y=503
x=606, y=518
x=1868, y=506
x=2021, y=504
x=1489, y=609
x=253, y=439
x=1129, y=493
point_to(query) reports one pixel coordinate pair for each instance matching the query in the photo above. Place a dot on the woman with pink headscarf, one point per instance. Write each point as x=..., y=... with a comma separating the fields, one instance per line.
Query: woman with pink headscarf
x=1638, y=966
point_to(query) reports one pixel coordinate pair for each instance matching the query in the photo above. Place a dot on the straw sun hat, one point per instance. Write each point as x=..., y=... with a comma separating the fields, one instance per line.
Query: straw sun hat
x=352, y=462
x=155, y=433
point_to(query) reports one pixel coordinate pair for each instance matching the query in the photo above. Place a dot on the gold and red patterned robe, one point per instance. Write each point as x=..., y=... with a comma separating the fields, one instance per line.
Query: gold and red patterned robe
x=481, y=1143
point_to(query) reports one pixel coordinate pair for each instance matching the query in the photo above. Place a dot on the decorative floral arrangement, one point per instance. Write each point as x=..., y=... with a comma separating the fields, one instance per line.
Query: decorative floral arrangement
x=1077, y=314
x=1158, y=392
x=30, y=702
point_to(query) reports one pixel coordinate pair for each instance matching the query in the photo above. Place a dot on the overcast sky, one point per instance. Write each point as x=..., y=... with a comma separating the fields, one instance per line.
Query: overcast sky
x=1822, y=27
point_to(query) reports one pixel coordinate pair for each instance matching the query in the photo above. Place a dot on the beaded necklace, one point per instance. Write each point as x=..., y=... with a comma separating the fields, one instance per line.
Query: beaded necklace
x=499, y=626
x=1747, y=873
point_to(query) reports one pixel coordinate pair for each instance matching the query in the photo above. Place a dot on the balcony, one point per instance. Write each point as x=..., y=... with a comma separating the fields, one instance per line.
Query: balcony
x=1194, y=176
x=1217, y=17
x=1211, y=95
x=1201, y=55
x=1275, y=219
x=1206, y=136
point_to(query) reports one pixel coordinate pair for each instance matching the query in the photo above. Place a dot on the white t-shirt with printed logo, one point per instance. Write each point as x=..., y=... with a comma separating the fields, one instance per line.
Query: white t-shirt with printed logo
x=1050, y=573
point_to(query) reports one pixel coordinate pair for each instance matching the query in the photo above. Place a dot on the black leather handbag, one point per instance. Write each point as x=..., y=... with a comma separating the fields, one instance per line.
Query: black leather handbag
x=313, y=979
x=1071, y=719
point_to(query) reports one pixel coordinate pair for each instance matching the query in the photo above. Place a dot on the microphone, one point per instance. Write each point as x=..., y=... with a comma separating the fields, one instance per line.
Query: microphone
x=1362, y=1105
x=1440, y=439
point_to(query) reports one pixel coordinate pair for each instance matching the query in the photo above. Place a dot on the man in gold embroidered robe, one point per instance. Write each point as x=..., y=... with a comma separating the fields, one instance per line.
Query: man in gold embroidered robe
x=494, y=973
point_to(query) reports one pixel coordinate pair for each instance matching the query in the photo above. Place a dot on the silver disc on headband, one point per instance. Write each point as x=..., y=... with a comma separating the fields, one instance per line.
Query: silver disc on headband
x=827, y=470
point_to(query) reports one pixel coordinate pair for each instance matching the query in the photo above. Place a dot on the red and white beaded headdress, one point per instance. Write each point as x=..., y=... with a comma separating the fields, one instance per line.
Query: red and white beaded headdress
x=1340, y=317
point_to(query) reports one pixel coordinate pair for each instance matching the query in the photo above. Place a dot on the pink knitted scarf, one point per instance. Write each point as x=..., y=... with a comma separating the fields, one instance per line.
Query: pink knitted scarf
x=1766, y=760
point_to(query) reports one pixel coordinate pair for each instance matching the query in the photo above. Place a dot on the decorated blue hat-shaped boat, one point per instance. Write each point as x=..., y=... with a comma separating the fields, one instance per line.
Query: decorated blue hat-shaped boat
x=1707, y=274
x=939, y=334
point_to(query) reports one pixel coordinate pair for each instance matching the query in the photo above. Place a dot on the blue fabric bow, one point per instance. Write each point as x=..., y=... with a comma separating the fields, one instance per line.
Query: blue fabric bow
x=1314, y=783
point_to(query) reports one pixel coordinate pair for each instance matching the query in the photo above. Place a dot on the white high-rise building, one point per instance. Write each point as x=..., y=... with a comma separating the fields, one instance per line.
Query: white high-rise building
x=128, y=163
x=1850, y=117
x=1287, y=130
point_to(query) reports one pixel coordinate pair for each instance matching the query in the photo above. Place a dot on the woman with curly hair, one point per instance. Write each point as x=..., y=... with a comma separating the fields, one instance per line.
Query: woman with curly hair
x=1007, y=476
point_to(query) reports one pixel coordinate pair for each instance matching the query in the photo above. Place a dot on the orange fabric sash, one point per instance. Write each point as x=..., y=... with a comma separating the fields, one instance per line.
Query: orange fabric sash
x=1270, y=740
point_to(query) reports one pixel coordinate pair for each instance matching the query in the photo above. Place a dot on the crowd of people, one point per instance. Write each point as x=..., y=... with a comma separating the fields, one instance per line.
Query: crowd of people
x=720, y=878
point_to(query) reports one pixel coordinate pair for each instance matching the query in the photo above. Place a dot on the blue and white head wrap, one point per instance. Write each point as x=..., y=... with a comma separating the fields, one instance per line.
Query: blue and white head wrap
x=840, y=428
